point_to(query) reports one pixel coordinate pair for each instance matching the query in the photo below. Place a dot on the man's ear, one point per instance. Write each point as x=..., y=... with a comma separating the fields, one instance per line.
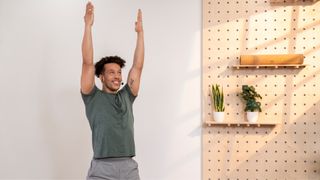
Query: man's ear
x=101, y=77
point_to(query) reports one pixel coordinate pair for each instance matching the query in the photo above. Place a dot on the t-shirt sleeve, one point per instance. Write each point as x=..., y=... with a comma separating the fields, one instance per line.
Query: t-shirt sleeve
x=88, y=97
x=127, y=89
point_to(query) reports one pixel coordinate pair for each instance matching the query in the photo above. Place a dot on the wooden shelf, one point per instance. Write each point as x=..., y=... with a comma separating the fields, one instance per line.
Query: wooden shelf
x=257, y=124
x=291, y=1
x=271, y=66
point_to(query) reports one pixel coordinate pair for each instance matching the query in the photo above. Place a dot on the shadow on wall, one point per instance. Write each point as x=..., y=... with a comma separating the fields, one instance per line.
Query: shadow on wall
x=64, y=126
x=292, y=144
x=267, y=147
x=241, y=15
x=305, y=147
x=295, y=29
x=168, y=110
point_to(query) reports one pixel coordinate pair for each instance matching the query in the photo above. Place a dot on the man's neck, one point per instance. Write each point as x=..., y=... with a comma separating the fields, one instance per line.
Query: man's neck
x=107, y=90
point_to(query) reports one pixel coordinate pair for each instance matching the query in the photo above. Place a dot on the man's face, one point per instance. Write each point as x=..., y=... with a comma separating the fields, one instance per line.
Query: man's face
x=111, y=78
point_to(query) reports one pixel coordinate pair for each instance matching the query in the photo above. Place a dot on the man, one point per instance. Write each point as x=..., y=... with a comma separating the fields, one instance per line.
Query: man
x=109, y=110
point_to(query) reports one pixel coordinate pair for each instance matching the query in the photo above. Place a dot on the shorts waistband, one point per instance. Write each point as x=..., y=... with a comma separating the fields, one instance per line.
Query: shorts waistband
x=113, y=158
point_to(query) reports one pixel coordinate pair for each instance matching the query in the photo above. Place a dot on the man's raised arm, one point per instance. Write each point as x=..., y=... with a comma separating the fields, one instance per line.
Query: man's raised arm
x=87, y=75
x=138, y=59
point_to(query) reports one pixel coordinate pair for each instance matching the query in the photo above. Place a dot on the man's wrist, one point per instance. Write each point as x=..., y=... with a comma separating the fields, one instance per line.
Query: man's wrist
x=88, y=26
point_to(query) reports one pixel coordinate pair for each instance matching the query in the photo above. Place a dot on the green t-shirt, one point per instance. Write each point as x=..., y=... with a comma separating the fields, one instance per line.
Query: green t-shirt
x=111, y=121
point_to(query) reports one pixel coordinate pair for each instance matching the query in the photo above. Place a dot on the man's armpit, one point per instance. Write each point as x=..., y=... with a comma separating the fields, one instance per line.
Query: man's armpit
x=131, y=82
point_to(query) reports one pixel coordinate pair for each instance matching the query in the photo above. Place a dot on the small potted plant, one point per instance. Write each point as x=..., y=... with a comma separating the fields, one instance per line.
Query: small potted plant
x=218, y=103
x=253, y=107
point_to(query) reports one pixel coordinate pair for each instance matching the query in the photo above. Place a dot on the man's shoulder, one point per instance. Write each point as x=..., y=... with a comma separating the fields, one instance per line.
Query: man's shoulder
x=126, y=90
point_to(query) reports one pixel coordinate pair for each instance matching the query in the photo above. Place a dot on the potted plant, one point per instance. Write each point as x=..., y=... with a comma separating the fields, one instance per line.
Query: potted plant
x=253, y=107
x=218, y=103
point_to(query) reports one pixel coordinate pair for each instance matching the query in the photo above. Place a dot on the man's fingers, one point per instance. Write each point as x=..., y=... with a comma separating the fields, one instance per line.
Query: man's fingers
x=89, y=8
x=89, y=4
x=139, y=18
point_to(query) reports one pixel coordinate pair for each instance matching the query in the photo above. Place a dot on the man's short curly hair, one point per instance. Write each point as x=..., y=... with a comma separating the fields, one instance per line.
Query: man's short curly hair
x=99, y=66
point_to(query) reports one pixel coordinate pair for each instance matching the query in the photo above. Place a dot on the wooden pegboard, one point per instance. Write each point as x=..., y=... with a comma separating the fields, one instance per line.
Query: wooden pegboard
x=291, y=97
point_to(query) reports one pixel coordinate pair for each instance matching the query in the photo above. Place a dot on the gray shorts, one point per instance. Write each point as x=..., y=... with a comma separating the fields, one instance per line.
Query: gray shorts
x=113, y=169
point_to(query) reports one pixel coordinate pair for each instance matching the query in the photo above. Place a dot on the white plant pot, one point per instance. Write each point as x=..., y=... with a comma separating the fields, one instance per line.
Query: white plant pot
x=252, y=117
x=218, y=116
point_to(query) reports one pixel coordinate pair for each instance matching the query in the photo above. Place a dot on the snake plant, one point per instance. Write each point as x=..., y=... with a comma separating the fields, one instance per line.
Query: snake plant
x=217, y=98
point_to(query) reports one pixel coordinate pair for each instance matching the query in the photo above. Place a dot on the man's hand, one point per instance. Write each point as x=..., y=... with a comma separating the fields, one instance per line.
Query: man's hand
x=138, y=24
x=89, y=16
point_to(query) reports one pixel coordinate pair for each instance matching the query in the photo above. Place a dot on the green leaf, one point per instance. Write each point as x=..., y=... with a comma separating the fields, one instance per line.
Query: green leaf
x=217, y=97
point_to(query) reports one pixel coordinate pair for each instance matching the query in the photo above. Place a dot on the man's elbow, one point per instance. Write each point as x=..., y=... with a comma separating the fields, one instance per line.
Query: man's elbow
x=138, y=67
x=87, y=62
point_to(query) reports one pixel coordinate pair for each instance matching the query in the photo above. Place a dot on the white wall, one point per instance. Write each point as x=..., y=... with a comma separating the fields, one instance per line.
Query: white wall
x=44, y=133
